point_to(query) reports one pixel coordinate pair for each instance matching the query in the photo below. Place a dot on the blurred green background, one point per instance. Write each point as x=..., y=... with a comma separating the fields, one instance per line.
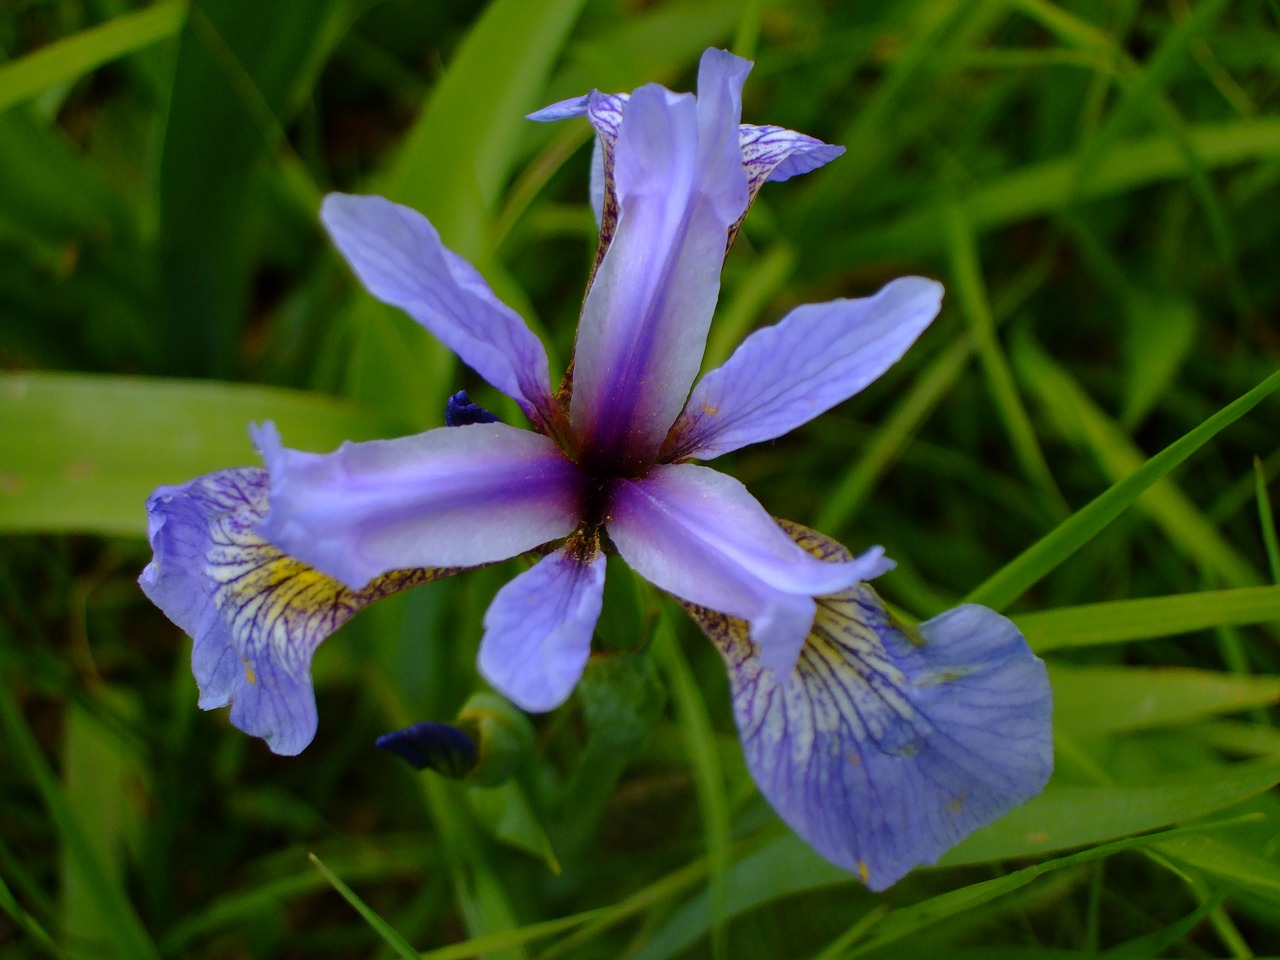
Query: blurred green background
x=1096, y=182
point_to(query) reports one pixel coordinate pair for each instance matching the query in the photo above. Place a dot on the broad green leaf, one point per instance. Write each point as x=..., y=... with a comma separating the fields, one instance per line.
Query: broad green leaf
x=1098, y=700
x=81, y=453
x=71, y=58
x=1119, y=621
x=622, y=698
x=1066, y=816
x=1009, y=583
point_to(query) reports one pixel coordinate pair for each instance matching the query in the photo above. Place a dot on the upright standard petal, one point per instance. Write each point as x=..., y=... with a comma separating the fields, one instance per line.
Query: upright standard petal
x=769, y=153
x=787, y=374
x=680, y=185
x=892, y=744
x=255, y=614
x=699, y=535
x=537, y=631
x=454, y=496
x=398, y=256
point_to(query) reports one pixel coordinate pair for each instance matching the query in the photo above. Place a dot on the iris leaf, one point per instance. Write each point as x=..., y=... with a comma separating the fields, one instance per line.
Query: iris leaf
x=73, y=57
x=1103, y=700
x=81, y=453
x=1123, y=620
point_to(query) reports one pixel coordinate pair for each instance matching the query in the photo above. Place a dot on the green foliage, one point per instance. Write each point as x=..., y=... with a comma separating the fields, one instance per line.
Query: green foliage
x=1087, y=437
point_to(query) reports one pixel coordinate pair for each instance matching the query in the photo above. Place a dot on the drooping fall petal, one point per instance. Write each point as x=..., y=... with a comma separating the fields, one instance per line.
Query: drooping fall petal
x=255, y=614
x=890, y=744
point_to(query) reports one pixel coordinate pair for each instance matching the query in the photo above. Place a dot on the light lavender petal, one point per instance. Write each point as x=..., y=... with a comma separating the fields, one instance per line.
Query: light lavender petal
x=890, y=745
x=680, y=184
x=398, y=256
x=787, y=374
x=698, y=534
x=454, y=496
x=255, y=614
x=537, y=631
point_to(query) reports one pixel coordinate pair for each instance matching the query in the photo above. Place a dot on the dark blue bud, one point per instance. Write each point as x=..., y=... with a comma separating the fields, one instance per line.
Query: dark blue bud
x=461, y=412
x=435, y=746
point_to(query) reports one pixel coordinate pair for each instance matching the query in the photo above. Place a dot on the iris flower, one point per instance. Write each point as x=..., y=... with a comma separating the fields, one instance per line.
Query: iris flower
x=881, y=745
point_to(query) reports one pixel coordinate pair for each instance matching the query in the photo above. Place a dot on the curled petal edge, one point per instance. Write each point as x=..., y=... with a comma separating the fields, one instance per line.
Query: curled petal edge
x=255, y=614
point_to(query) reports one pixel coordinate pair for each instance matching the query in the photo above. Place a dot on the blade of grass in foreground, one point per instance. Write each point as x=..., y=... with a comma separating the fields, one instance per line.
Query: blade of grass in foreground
x=1015, y=578
x=1123, y=620
x=1087, y=425
x=383, y=929
x=918, y=916
x=73, y=57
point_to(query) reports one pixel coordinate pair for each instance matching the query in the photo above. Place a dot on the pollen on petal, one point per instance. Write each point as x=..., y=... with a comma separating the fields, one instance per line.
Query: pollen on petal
x=256, y=615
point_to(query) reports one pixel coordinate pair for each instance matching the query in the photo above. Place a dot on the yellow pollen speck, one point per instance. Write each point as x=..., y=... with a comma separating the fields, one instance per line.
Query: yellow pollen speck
x=955, y=804
x=248, y=671
x=863, y=873
x=709, y=410
x=1038, y=836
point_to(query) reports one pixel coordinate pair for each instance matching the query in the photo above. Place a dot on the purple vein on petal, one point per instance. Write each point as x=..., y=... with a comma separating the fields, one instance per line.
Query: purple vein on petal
x=680, y=184
x=783, y=376
x=890, y=746
x=399, y=257
x=454, y=496
x=255, y=614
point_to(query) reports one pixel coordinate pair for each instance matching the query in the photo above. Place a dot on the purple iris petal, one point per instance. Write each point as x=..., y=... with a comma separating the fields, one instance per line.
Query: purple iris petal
x=398, y=256
x=787, y=374
x=775, y=154
x=256, y=615
x=454, y=496
x=891, y=745
x=769, y=153
x=537, y=631
x=604, y=110
x=679, y=182
x=698, y=534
